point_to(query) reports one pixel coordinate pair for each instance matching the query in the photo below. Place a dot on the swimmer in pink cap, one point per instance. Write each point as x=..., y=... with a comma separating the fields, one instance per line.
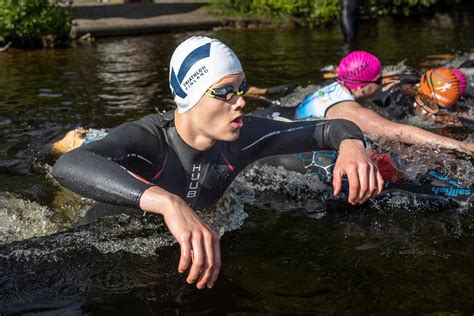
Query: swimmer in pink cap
x=359, y=77
x=358, y=69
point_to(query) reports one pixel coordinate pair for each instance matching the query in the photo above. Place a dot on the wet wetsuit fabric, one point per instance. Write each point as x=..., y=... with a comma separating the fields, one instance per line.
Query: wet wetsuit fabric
x=135, y=156
x=393, y=102
x=317, y=103
x=349, y=19
x=467, y=64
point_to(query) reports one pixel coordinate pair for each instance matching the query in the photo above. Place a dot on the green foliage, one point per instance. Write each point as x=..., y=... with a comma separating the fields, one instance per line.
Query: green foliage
x=396, y=7
x=34, y=22
x=314, y=12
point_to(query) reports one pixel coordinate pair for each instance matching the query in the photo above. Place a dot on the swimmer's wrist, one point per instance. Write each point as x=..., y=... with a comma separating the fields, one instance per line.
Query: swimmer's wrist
x=157, y=200
x=351, y=141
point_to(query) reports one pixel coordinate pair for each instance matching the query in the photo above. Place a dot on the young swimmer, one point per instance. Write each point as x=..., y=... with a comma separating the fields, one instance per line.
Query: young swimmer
x=433, y=96
x=171, y=164
x=359, y=77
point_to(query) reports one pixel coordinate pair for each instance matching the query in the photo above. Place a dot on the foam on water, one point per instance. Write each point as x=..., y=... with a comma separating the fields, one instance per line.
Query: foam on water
x=21, y=219
x=280, y=189
x=416, y=161
x=135, y=234
x=229, y=213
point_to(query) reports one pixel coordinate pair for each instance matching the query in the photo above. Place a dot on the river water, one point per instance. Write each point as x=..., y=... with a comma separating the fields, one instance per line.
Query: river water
x=286, y=248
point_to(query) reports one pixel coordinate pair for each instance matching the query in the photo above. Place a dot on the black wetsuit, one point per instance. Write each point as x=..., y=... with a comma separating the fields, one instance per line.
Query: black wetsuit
x=349, y=19
x=147, y=152
x=394, y=102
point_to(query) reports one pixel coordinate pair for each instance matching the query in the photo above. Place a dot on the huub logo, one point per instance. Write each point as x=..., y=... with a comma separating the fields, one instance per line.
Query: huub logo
x=195, y=56
x=194, y=183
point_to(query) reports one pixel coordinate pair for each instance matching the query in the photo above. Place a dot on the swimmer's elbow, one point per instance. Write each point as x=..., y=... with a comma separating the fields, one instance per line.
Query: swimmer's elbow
x=63, y=169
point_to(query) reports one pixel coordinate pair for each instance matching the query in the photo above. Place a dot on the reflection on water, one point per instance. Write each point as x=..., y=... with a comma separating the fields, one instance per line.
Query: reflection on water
x=128, y=71
x=394, y=256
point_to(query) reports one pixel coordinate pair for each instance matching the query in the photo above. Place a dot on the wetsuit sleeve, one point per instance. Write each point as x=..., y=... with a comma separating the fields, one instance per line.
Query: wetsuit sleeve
x=115, y=169
x=264, y=137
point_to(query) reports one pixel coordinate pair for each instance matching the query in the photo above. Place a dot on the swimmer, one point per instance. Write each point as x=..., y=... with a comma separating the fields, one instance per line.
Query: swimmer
x=433, y=97
x=183, y=160
x=359, y=78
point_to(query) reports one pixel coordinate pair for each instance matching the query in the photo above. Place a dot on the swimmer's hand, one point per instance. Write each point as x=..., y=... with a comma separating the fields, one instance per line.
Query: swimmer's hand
x=364, y=177
x=199, y=244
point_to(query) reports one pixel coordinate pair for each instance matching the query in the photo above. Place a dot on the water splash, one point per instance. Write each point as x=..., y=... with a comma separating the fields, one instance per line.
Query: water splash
x=284, y=190
x=135, y=234
x=229, y=213
x=276, y=188
x=21, y=219
x=416, y=161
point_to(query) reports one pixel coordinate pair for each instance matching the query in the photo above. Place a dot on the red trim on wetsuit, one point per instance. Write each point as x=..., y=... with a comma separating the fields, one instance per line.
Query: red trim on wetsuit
x=138, y=177
x=229, y=165
x=162, y=168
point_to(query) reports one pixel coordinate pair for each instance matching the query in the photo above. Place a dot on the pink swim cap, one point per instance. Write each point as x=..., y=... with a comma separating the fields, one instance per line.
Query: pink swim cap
x=461, y=79
x=357, y=68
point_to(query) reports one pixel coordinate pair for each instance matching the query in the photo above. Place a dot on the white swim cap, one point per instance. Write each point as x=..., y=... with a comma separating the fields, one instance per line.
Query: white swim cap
x=196, y=64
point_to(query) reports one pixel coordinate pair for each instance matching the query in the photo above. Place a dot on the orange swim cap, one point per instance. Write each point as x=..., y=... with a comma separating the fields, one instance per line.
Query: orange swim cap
x=440, y=85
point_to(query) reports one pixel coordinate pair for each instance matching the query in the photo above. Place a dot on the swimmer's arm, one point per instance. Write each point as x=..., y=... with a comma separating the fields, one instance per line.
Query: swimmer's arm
x=281, y=89
x=255, y=91
x=102, y=170
x=265, y=137
x=269, y=137
x=375, y=125
x=96, y=177
x=89, y=172
x=200, y=245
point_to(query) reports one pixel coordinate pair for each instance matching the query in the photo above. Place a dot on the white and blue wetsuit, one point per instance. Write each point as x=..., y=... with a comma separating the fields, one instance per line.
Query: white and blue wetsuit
x=313, y=106
x=316, y=104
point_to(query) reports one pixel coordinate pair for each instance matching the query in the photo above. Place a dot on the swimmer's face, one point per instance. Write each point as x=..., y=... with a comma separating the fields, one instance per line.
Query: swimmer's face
x=370, y=89
x=220, y=118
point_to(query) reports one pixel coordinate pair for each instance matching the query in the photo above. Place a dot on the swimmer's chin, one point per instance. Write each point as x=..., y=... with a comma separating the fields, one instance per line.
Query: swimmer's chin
x=235, y=136
x=231, y=136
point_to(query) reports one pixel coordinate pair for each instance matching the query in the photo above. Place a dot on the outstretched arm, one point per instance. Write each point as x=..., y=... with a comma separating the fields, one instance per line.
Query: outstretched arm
x=373, y=124
x=281, y=89
x=269, y=137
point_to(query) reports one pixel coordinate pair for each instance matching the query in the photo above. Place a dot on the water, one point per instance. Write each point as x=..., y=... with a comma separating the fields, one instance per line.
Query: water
x=295, y=253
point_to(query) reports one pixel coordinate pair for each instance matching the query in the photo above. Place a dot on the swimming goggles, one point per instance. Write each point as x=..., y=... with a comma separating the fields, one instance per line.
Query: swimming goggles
x=426, y=104
x=227, y=92
x=377, y=81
